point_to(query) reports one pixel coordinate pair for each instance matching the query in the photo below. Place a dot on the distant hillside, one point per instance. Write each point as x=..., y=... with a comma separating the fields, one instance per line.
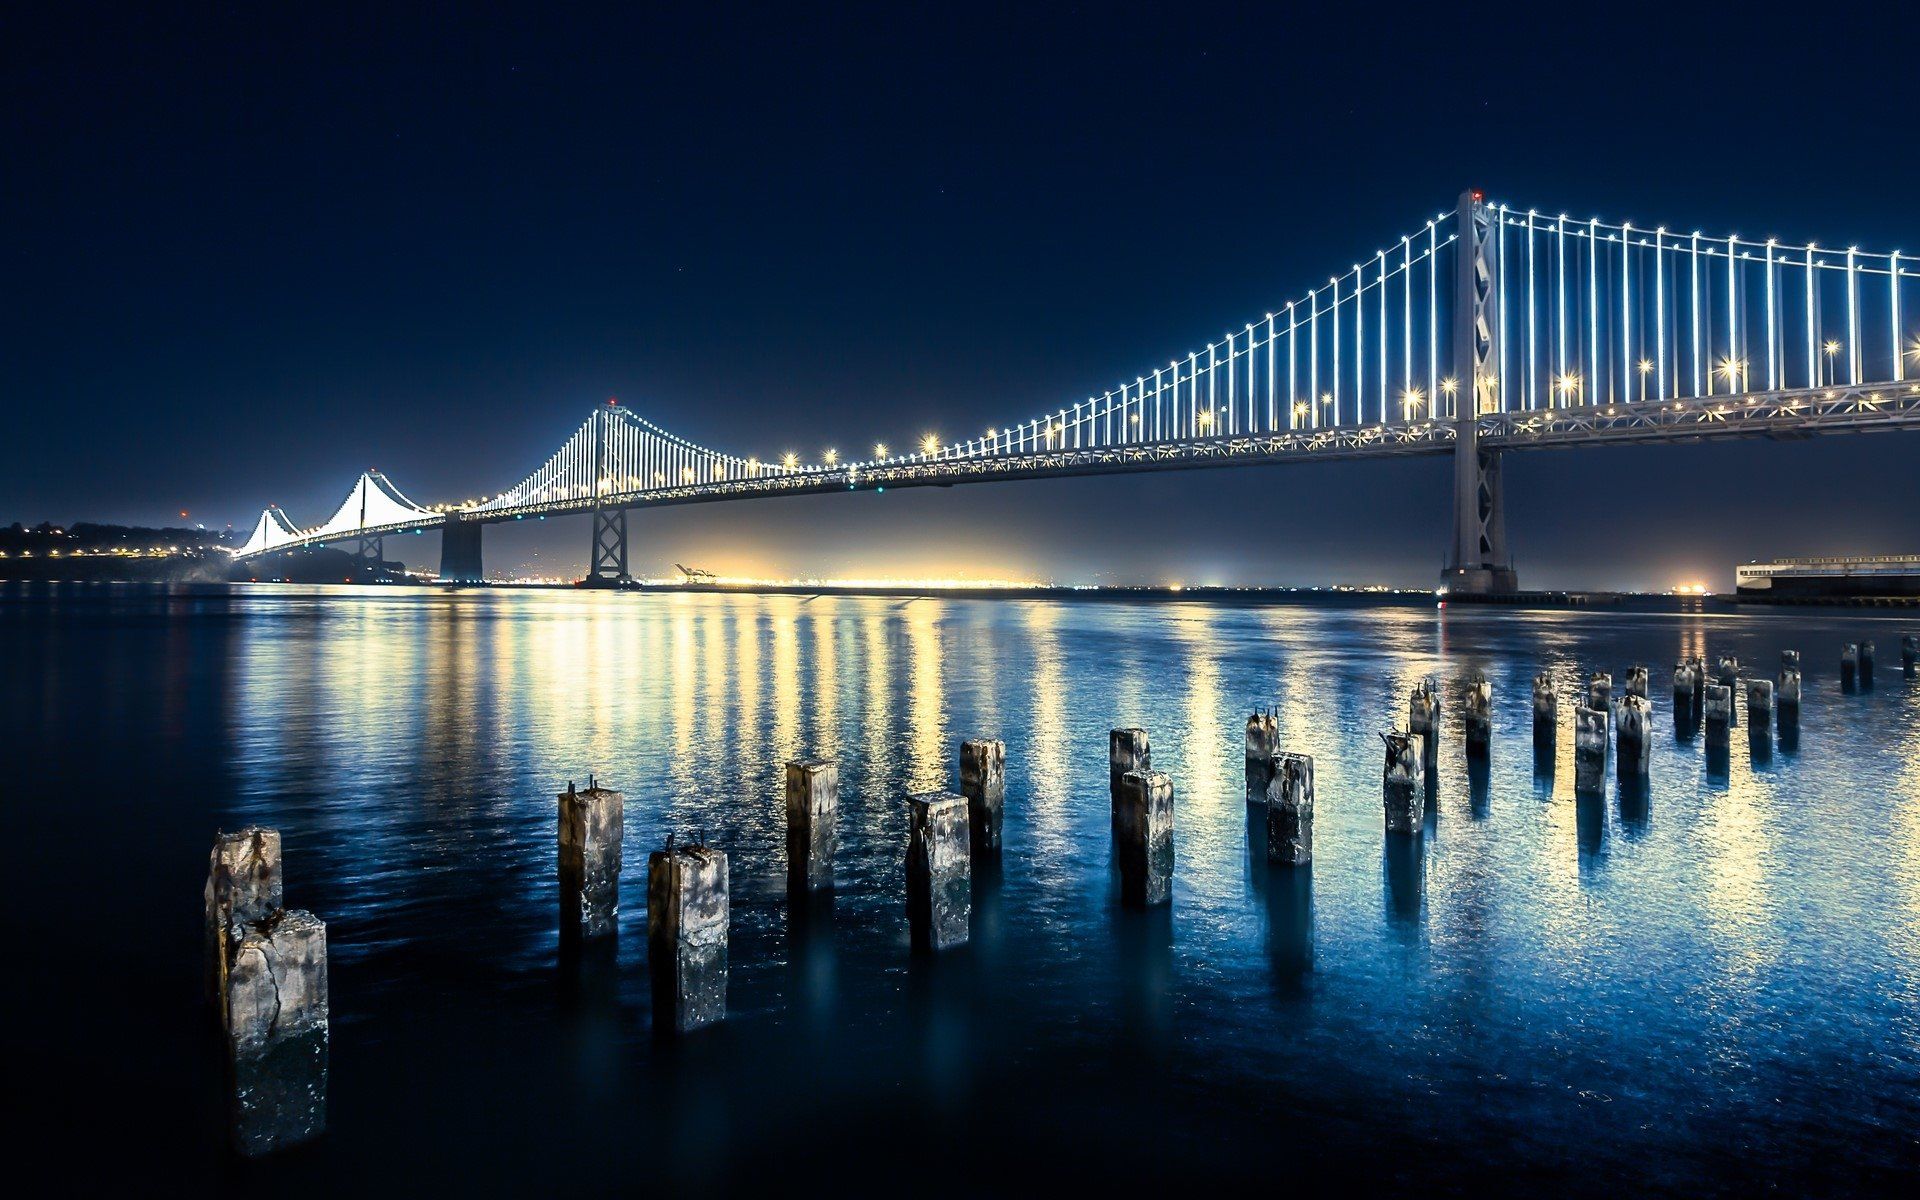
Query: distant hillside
x=95, y=552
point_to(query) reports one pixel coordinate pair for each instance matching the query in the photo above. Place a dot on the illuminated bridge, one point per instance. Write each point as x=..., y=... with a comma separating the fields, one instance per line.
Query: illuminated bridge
x=1483, y=330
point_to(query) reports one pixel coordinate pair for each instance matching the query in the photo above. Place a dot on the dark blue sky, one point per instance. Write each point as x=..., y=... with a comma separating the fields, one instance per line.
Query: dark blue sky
x=251, y=251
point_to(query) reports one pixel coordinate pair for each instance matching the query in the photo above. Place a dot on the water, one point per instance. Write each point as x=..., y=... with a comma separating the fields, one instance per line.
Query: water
x=1708, y=991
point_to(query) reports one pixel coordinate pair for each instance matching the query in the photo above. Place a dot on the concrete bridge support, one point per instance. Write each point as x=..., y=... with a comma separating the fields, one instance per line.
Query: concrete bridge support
x=460, y=551
x=1478, y=563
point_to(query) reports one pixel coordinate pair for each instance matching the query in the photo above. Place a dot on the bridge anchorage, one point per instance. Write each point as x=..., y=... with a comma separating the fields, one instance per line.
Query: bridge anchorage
x=1484, y=331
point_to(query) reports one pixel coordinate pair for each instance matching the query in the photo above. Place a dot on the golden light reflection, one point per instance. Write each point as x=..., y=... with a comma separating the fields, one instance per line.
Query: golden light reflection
x=926, y=703
x=1051, y=750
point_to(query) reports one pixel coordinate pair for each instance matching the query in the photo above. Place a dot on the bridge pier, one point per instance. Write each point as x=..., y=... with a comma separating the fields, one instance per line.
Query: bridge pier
x=460, y=551
x=609, y=562
x=1477, y=563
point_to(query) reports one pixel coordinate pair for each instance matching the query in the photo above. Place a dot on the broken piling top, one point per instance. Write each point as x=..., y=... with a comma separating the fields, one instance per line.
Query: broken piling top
x=1589, y=730
x=1719, y=703
x=277, y=986
x=1600, y=691
x=813, y=785
x=687, y=896
x=243, y=884
x=1759, y=696
x=1423, y=705
x=243, y=874
x=1405, y=756
x=1636, y=713
x=1543, y=686
x=1789, y=660
x=983, y=769
x=937, y=829
x=1637, y=682
x=1479, y=696
x=1128, y=750
x=1263, y=735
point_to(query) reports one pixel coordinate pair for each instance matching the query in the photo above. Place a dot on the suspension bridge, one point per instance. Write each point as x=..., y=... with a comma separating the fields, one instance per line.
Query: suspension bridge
x=1486, y=329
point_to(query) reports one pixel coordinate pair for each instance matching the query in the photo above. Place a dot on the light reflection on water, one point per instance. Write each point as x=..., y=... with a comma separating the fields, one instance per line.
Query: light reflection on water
x=1720, y=978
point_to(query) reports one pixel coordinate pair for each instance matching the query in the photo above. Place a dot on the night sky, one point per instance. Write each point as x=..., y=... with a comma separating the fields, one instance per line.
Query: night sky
x=252, y=251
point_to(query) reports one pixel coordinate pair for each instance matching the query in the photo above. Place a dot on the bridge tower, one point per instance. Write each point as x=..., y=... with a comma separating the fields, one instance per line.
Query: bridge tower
x=609, y=562
x=1478, y=563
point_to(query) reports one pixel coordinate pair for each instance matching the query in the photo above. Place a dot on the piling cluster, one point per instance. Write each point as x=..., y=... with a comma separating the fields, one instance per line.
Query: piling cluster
x=267, y=965
x=267, y=979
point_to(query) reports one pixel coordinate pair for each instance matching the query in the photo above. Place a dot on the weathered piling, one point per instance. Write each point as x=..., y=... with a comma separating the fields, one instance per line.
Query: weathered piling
x=983, y=781
x=1787, y=694
x=1910, y=653
x=1479, y=717
x=1263, y=739
x=267, y=977
x=1699, y=665
x=1849, y=666
x=277, y=980
x=1404, y=783
x=1146, y=838
x=687, y=913
x=1290, y=811
x=1719, y=717
x=1423, y=717
x=243, y=884
x=1866, y=664
x=1600, y=694
x=939, y=870
x=1637, y=682
x=1589, y=749
x=277, y=1031
x=1727, y=675
x=813, y=823
x=1127, y=750
x=1634, y=737
x=591, y=829
x=1760, y=697
x=1546, y=716
x=1686, y=693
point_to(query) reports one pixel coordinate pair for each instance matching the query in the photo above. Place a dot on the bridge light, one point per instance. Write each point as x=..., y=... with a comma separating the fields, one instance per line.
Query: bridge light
x=1206, y=419
x=831, y=457
x=1412, y=399
x=930, y=444
x=879, y=449
x=790, y=460
x=1913, y=351
x=1568, y=385
x=1449, y=386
